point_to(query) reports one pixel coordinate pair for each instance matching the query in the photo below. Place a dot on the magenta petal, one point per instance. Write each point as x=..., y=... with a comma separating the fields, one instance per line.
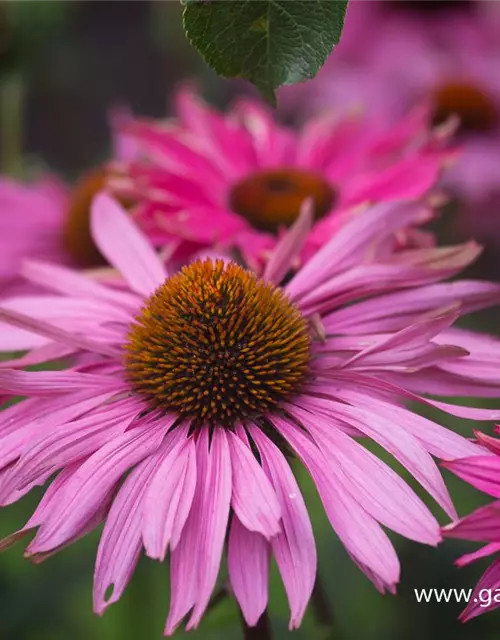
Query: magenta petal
x=69, y=282
x=409, y=179
x=360, y=533
x=492, y=444
x=379, y=393
x=349, y=246
x=41, y=383
x=40, y=355
x=125, y=247
x=51, y=332
x=170, y=495
x=377, y=314
x=410, y=268
x=294, y=548
x=45, y=506
x=482, y=472
x=36, y=417
x=89, y=525
x=273, y=144
x=289, y=247
x=92, y=481
x=377, y=581
x=195, y=560
x=215, y=496
x=377, y=488
x=390, y=434
x=248, y=565
x=221, y=139
x=482, y=525
x=483, y=552
x=65, y=444
x=489, y=583
x=121, y=544
x=401, y=347
x=253, y=498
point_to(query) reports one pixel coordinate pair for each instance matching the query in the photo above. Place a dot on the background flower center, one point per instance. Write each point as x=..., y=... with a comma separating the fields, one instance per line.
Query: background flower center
x=76, y=233
x=475, y=108
x=217, y=345
x=272, y=199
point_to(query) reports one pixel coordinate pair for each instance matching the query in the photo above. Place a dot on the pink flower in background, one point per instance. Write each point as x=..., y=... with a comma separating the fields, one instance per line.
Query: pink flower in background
x=31, y=221
x=483, y=525
x=237, y=180
x=49, y=220
x=447, y=63
x=188, y=392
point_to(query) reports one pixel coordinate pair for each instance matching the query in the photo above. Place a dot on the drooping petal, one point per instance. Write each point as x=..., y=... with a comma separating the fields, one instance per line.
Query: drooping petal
x=378, y=489
x=48, y=502
x=488, y=585
x=482, y=472
x=65, y=444
x=248, y=565
x=482, y=525
x=391, y=435
x=253, y=498
x=97, y=475
x=483, y=552
x=120, y=544
x=214, y=513
x=294, y=547
x=410, y=268
x=360, y=533
x=40, y=355
x=195, y=560
x=377, y=314
x=438, y=440
x=170, y=495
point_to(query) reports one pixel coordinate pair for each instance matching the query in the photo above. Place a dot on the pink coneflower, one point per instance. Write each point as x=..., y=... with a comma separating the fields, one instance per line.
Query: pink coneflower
x=31, y=218
x=191, y=392
x=237, y=180
x=483, y=525
x=454, y=59
x=49, y=220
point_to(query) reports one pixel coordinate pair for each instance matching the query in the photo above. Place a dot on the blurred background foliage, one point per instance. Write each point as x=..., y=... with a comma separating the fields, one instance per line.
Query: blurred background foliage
x=63, y=66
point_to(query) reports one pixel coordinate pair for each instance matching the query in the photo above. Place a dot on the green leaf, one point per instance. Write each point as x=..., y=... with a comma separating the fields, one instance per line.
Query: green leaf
x=269, y=42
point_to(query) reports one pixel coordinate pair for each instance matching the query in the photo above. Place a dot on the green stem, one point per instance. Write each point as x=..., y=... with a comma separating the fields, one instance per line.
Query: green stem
x=11, y=125
x=321, y=605
x=261, y=631
x=220, y=595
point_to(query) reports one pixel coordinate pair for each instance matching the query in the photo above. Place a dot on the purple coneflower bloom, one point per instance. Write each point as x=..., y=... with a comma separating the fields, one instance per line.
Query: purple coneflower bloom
x=31, y=222
x=454, y=59
x=190, y=392
x=49, y=220
x=237, y=179
x=483, y=525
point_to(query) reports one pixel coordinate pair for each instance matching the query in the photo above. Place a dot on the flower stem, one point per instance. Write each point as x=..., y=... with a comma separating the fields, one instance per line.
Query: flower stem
x=321, y=605
x=261, y=631
x=11, y=114
x=220, y=595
